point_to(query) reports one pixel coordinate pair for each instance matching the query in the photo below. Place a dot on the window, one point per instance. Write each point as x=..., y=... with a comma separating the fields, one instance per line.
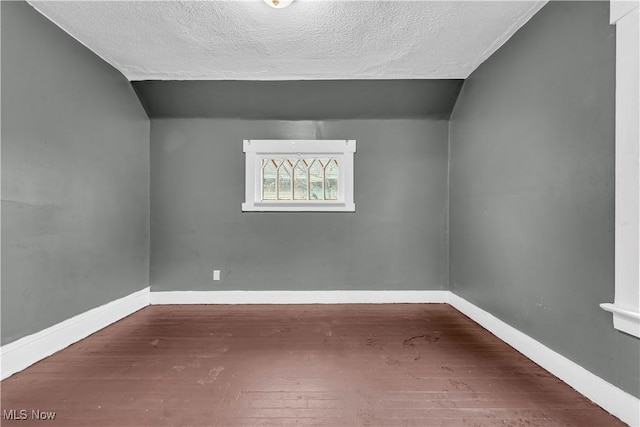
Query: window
x=299, y=175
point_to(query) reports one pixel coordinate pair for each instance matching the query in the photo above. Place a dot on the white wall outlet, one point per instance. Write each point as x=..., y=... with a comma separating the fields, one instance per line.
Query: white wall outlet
x=216, y=274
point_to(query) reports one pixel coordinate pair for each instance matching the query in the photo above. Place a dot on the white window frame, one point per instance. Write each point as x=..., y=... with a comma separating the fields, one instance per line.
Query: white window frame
x=258, y=149
x=625, y=15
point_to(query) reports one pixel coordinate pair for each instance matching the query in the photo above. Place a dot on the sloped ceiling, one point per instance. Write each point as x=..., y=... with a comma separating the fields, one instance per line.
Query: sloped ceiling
x=300, y=100
x=309, y=40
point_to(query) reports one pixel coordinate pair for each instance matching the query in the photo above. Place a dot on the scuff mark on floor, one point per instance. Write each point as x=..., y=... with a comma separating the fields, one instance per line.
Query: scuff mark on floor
x=371, y=342
x=211, y=376
x=430, y=338
x=411, y=342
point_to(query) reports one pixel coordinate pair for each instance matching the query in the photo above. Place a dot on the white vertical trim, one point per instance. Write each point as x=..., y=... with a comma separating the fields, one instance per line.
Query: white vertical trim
x=250, y=174
x=626, y=306
x=611, y=398
x=26, y=351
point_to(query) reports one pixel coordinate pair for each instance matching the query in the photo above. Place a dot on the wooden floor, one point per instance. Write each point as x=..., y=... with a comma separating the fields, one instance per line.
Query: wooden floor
x=295, y=365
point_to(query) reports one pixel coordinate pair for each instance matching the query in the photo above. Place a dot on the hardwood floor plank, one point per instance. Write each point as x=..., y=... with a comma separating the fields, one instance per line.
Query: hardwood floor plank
x=295, y=365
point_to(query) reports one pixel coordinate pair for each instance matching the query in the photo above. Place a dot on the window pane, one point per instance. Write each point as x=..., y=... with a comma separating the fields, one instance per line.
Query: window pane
x=284, y=180
x=269, y=170
x=301, y=180
x=331, y=174
x=316, y=180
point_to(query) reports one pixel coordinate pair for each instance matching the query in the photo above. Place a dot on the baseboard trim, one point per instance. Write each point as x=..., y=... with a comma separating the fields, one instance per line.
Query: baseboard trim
x=611, y=398
x=22, y=353
x=299, y=297
x=28, y=350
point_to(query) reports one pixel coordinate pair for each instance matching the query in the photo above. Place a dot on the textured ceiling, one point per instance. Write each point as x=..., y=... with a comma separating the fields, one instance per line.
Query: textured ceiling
x=309, y=40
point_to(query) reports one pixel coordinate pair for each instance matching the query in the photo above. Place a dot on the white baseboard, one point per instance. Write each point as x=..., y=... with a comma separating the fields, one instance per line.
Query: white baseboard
x=611, y=398
x=26, y=351
x=299, y=297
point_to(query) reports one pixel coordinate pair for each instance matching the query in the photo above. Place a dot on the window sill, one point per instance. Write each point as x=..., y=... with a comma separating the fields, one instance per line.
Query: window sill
x=624, y=320
x=275, y=206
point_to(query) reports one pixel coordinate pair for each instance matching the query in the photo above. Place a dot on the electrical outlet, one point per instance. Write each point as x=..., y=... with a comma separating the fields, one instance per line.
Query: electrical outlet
x=216, y=274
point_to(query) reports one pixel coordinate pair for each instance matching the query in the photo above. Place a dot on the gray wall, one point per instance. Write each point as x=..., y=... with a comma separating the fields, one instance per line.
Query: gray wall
x=299, y=99
x=75, y=177
x=394, y=240
x=532, y=188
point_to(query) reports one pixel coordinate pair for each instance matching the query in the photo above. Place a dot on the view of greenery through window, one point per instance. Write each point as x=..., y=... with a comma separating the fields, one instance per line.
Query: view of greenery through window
x=300, y=179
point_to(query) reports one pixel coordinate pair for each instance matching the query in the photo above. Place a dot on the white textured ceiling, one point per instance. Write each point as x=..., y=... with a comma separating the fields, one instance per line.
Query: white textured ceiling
x=309, y=40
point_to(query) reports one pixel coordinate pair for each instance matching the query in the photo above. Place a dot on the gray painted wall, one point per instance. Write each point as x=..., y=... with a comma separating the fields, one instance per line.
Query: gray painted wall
x=300, y=100
x=532, y=188
x=394, y=240
x=75, y=177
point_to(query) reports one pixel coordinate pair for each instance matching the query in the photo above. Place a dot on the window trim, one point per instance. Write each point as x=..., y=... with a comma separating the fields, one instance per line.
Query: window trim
x=257, y=149
x=625, y=15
